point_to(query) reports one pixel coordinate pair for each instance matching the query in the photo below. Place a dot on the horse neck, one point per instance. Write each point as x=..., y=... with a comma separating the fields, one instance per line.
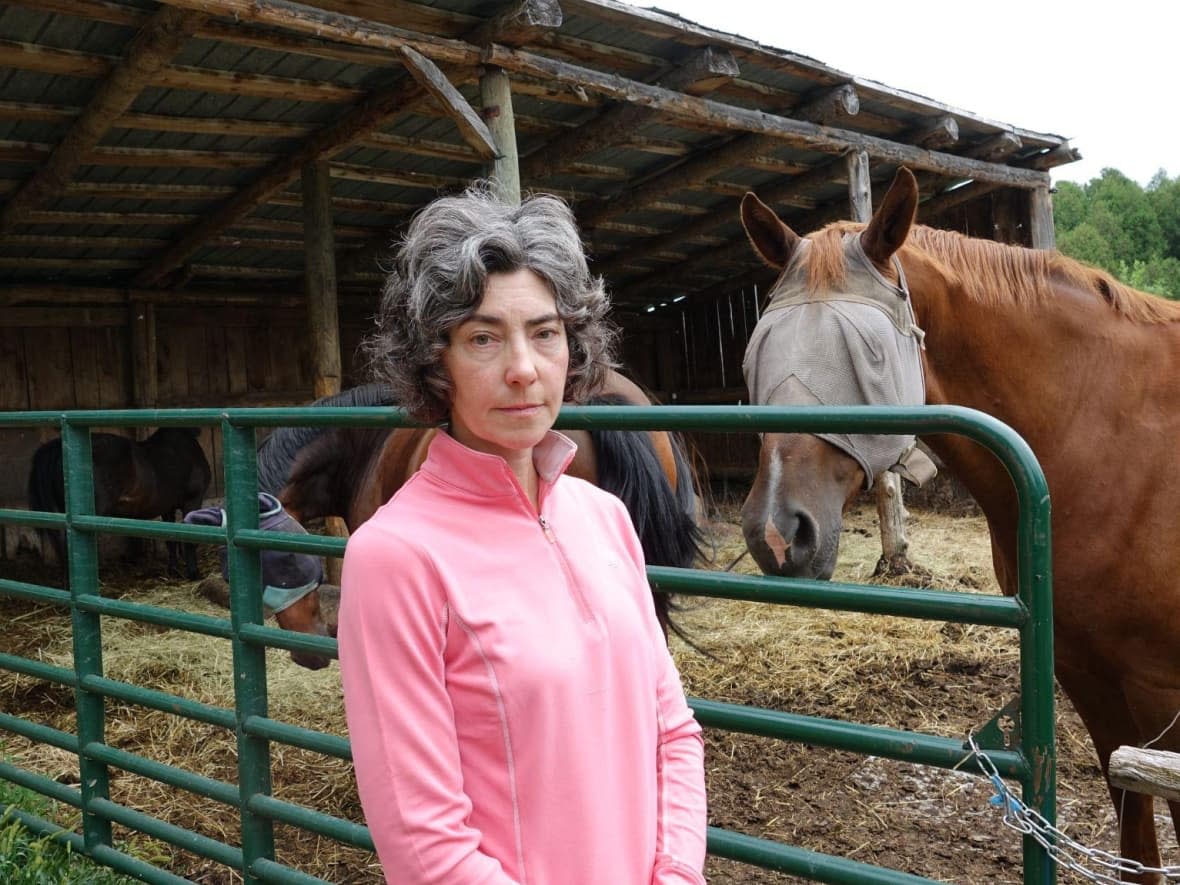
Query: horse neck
x=392, y=462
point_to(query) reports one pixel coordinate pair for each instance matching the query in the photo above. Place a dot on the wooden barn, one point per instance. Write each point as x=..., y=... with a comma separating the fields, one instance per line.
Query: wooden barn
x=196, y=196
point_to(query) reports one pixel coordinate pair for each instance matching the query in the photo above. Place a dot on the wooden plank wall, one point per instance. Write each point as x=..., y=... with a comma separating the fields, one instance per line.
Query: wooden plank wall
x=692, y=354
x=80, y=358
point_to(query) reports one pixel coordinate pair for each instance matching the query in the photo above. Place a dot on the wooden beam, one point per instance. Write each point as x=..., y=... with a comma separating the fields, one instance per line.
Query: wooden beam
x=34, y=152
x=368, y=116
x=396, y=178
x=1154, y=772
x=496, y=97
x=149, y=51
x=69, y=62
x=734, y=119
x=934, y=134
x=996, y=148
x=930, y=209
x=49, y=295
x=829, y=105
x=351, y=29
x=522, y=22
x=323, y=316
x=707, y=67
x=434, y=82
x=708, y=163
x=786, y=193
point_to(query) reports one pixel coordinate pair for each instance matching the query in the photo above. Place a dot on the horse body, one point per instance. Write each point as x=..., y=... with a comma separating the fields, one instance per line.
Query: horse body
x=165, y=474
x=351, y=472
x=1086, y=370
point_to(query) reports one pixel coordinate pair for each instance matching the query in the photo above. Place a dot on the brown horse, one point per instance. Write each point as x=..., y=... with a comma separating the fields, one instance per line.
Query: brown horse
x=165, y=475
x=351, y=472
x=1083, y=367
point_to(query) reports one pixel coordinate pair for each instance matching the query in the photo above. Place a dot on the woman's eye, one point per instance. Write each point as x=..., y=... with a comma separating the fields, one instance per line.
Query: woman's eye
x=481, y=339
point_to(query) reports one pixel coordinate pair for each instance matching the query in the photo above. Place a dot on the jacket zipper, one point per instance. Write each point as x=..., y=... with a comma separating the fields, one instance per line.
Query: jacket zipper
x=575, y=587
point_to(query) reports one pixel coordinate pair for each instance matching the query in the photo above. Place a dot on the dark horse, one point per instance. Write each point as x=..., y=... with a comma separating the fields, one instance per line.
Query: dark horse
x=1086, y=370
x=165, y=474
x=350, y=472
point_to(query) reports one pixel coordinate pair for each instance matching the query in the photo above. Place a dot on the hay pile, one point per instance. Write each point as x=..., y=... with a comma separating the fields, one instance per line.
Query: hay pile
x=917, y=675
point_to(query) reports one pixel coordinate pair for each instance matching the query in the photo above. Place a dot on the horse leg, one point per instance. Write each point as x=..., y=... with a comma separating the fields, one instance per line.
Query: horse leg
x=1108, y=718
x=170, y=546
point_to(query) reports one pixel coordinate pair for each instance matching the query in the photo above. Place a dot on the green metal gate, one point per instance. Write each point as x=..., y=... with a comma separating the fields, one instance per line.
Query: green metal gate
x=1032, y=763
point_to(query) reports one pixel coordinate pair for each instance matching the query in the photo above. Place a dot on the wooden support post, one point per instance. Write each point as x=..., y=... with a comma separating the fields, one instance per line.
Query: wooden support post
x=323, y=318
x=495, y=92
x=860, y=186
x=887, y=485
x=1040, y=206
x=320, y=278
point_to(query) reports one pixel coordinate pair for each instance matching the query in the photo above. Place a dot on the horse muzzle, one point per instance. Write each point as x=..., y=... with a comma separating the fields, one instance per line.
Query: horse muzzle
x=796, y=550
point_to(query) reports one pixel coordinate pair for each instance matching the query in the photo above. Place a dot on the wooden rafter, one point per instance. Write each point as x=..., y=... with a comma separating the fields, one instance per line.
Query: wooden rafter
x=435, y=84
x=705, y=71
x=706, y=164
x=70, y=62
x=157, y=42
x=368, y=116
x=935, y=134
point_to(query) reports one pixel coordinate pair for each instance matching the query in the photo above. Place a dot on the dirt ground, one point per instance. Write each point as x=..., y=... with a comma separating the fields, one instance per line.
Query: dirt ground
x=928, y=676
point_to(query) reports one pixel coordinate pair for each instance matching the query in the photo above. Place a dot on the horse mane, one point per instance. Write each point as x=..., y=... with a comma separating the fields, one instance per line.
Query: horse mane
x=276, y=454
x=994, y=273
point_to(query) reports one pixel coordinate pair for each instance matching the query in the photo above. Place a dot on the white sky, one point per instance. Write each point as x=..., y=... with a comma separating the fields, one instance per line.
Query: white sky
x=1104, y=75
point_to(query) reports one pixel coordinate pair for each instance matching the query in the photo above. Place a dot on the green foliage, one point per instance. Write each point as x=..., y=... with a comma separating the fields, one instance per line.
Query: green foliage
x=27, y=859
x=1133, y=232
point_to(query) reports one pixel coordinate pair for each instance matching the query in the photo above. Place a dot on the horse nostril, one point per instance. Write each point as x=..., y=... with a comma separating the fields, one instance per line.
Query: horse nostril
x=806, y=536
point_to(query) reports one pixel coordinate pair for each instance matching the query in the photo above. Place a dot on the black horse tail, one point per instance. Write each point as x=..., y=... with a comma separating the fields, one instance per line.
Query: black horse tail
x=629, y=468
x=46, y=491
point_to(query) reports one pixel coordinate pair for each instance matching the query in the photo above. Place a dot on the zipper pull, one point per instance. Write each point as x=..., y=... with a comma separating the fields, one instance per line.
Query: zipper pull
x=546, y=529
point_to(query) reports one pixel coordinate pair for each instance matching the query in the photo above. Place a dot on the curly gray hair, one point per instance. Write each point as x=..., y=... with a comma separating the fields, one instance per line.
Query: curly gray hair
x=438, y=280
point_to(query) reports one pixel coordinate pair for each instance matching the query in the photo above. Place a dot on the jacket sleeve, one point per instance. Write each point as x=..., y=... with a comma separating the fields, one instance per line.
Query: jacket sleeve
x=680, y=758
x=392, y=630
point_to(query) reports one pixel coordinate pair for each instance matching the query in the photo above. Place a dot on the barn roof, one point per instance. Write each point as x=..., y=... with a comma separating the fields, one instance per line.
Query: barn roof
x=158, y=148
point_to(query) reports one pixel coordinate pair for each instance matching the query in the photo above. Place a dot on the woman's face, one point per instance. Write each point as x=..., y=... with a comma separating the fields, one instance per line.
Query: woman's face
x=508, y=365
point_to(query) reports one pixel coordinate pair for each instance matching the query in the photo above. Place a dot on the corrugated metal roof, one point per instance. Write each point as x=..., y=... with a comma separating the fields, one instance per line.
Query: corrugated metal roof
x=244, y=94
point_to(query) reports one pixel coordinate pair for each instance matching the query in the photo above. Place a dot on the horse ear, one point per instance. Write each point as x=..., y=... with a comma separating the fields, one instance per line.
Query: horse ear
x=771, y=239
x=893, y=219
x=206, y=516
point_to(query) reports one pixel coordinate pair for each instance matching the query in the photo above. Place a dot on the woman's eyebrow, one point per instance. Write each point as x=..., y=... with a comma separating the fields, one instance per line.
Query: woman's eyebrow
x=493, y=320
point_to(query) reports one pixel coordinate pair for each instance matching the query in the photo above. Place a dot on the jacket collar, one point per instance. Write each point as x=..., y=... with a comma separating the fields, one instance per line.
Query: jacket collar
x=489, y=475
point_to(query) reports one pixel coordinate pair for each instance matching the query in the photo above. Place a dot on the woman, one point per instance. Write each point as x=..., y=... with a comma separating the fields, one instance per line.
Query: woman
x=514, y=713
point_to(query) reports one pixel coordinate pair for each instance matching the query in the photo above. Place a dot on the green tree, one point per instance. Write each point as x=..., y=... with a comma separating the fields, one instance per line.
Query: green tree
x=1163, y=194
x=1069, y=207
x=1132, y=232
x=1134, y=219
x=1086, y=243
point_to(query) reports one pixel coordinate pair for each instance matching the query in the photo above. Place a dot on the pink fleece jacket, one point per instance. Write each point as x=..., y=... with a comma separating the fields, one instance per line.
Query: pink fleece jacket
x=514, y=713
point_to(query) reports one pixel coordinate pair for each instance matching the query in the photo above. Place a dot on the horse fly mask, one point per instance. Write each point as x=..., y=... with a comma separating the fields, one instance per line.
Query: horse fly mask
x=856, y=346
x=287, y=577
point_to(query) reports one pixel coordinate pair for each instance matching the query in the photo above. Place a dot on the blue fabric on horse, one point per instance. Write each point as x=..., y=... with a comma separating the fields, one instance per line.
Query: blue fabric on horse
x=287, y=576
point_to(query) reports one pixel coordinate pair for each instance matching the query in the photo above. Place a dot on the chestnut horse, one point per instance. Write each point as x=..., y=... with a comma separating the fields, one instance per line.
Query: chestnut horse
x=1083, y=367
x=350, y=472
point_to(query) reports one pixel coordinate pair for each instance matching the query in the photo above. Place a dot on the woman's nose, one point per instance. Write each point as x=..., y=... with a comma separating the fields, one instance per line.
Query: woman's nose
x=522, y=366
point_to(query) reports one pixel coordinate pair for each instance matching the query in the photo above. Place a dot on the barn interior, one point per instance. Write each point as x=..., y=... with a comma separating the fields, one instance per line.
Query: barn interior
x=198, y=198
